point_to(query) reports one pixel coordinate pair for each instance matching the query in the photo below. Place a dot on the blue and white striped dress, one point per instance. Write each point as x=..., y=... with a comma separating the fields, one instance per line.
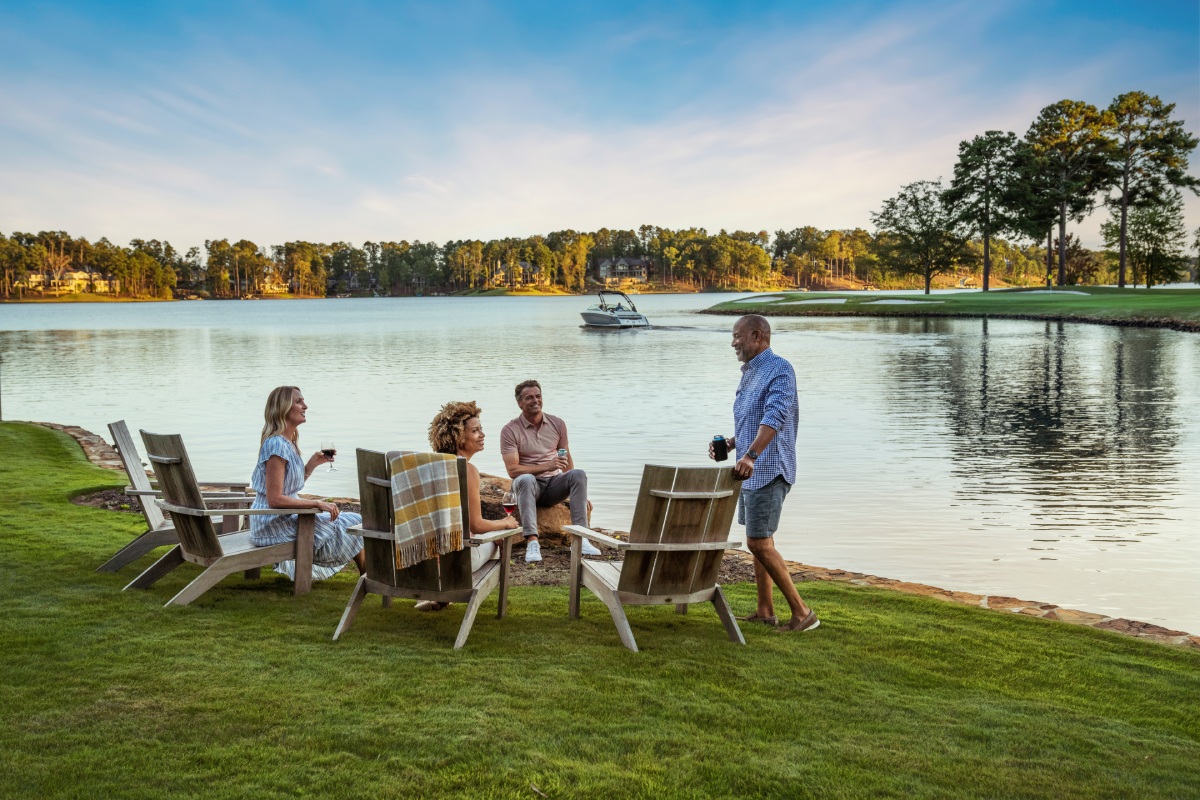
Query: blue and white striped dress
x=333, y=547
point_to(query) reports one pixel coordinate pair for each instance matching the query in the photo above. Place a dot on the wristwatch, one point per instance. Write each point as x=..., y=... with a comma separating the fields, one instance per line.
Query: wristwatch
x=752, y=455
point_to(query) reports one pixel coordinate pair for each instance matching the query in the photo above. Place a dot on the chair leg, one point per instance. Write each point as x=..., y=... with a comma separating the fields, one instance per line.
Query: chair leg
x=576, y=577
x=150, y=540
x=505, y=558
x=203, y=582
x=360, y=593
x=477, y=598
x=726, y=614
x=304, y=555
x=681, y=608
x=252, y=574
x=387, y=601
x=622, y=622
x=172, y=559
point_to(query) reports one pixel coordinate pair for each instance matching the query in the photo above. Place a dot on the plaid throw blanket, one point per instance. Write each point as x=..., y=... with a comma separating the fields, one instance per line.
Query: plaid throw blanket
x=426, y=495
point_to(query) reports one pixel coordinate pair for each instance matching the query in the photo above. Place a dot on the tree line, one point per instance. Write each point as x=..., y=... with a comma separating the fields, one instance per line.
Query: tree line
x=1132, y=157
x=1008, y=198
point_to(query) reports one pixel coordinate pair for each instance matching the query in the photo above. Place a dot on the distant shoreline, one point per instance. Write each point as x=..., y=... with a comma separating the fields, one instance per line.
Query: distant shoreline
x=1173, y=309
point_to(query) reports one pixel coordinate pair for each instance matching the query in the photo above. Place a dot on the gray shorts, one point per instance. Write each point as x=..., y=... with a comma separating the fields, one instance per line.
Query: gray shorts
x=758, y=509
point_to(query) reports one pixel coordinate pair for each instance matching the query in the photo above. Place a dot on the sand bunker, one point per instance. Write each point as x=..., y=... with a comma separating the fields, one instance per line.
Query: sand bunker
x=818, y=300
x=1055, y=291
x=758, y=298
x=899, y=302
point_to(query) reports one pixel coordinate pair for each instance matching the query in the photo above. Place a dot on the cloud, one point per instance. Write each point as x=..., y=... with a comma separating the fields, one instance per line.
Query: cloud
x=812, y=125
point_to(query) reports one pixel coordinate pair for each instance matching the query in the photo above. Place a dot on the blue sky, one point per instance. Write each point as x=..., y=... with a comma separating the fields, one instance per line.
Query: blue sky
x=371, y=121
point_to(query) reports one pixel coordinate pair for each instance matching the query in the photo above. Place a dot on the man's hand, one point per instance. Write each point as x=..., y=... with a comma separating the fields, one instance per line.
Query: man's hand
x=744, y=467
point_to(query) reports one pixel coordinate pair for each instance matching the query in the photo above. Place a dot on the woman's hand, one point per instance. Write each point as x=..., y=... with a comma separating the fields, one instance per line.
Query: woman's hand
x=315, y=460
x=329, y=508
x=510, y=523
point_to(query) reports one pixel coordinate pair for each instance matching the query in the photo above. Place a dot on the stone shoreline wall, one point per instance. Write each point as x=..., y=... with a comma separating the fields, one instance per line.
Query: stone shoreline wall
x=550, y=523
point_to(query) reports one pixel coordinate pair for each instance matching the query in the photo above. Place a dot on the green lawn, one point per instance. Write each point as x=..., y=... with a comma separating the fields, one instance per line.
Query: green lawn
x=1172, y=308
x=242, y=694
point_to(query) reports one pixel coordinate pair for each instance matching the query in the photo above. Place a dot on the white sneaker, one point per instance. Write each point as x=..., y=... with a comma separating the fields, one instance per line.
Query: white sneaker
x=590, y=549
x=533, y=551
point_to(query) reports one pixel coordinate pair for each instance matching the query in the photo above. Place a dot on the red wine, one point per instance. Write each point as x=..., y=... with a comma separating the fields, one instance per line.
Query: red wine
x=329, y=453
x=509, y=507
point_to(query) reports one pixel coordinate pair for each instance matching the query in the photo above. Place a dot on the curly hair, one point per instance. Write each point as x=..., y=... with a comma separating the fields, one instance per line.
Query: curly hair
x=446, y=430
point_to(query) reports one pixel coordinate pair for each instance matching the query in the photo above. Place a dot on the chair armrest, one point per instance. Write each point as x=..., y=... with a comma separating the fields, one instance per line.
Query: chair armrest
x=359, y=530
x=230, y=512
x=494, y=536
x=215, y=493
x=595, y=536
x=679, y=547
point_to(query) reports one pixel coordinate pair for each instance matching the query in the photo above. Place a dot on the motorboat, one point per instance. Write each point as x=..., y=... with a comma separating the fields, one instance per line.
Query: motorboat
x=615, y=310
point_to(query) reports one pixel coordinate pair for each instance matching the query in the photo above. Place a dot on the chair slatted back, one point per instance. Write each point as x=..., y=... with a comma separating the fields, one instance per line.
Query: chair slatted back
x=136, y=472
x=662, y=516
x=177, y=481
x=444, y=573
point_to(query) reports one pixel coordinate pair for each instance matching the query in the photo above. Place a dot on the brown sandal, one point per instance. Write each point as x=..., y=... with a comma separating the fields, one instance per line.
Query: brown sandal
x=800, y=624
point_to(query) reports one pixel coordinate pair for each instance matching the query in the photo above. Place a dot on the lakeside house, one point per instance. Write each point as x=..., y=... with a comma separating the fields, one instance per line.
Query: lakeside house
x=616, y=270
x=74, y=282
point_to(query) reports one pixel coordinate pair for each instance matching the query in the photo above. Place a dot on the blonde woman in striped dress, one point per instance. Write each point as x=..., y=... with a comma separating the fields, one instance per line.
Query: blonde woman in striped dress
x=278, y=478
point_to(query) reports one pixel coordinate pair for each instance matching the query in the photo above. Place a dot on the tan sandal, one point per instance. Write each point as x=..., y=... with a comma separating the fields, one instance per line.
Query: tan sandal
x=430, y=605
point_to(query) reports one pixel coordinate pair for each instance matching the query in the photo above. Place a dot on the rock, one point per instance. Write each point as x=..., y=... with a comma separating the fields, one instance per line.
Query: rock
x=1074, y=616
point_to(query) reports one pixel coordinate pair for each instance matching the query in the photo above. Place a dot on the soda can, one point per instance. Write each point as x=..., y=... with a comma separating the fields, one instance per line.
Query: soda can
x=562, y=452
x=720, y=448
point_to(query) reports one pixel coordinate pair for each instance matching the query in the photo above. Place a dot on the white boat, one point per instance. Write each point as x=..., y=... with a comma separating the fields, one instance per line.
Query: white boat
x=615, y=310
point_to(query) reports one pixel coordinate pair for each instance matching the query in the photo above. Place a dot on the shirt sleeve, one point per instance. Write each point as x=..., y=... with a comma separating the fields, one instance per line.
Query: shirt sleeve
x=508, y=440
x=562, y=435
x=780, y=399
x=275, y=446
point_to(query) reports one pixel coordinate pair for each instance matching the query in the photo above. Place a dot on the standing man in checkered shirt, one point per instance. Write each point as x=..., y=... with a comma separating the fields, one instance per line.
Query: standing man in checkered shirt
x=766, y=415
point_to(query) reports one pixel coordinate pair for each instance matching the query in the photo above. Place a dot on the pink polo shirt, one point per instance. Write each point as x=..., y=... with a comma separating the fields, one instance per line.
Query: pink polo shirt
x=534, y=445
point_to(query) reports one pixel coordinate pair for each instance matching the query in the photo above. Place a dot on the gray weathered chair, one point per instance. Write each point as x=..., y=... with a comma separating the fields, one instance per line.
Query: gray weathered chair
x=198, y=540
x=159, y=530
x=676, y=542
x=445, y=579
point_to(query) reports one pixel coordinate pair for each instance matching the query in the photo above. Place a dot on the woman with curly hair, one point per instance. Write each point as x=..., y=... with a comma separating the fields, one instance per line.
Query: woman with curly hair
x=278, y=478
x=456, y=430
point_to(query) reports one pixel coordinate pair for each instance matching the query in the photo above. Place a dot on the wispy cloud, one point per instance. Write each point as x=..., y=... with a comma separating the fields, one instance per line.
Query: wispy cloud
x=815, y=124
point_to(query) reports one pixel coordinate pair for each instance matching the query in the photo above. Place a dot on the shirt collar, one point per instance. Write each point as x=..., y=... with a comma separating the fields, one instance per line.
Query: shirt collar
x=754, y=362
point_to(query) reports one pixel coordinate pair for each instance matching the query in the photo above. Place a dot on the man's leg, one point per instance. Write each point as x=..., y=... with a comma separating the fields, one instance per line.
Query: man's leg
x=760, y=511
x=571, y=484
x=527, y=489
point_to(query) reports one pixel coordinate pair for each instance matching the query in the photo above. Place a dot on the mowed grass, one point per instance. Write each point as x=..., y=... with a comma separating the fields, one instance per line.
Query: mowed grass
x=1167, y=307
x=105, y=693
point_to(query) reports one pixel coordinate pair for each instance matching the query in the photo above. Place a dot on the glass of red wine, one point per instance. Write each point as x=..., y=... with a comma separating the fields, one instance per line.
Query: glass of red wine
x=329, y=450
x=509, y=503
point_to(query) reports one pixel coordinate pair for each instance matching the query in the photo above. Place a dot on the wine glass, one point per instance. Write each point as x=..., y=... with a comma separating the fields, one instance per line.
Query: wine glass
x=508, y=502
x=329, y=450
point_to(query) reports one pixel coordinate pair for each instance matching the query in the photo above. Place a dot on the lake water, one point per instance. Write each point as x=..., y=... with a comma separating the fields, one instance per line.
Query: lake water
x=1048, y=461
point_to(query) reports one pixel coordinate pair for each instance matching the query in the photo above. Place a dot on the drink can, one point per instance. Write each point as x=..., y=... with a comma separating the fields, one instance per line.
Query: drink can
x=562, y=452
x=720, y=448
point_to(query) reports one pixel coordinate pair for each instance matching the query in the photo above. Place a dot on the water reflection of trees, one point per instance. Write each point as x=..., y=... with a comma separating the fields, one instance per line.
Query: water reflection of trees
x=1082, y=420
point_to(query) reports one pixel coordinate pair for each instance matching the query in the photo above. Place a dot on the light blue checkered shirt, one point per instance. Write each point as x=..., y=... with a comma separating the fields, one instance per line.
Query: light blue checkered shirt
x=767, y=396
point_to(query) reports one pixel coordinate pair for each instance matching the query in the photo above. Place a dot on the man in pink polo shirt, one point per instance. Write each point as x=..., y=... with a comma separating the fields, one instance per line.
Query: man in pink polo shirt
x=538, y=458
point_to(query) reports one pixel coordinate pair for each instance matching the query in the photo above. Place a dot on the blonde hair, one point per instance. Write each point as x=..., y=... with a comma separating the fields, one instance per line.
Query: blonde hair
x=447, y=429
x=279, y=403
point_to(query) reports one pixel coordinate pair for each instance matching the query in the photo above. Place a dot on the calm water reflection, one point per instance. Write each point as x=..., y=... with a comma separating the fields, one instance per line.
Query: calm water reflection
x=1049, y=461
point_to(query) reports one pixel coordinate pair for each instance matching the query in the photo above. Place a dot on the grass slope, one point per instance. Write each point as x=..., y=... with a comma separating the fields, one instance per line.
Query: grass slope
x=107, y=693
x=1169, y=308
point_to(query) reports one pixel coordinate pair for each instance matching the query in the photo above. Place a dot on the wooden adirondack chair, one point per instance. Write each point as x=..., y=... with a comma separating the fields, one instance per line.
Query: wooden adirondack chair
x=673, y=555
x=159, y=530
x=446, y=579
x=198, y=541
